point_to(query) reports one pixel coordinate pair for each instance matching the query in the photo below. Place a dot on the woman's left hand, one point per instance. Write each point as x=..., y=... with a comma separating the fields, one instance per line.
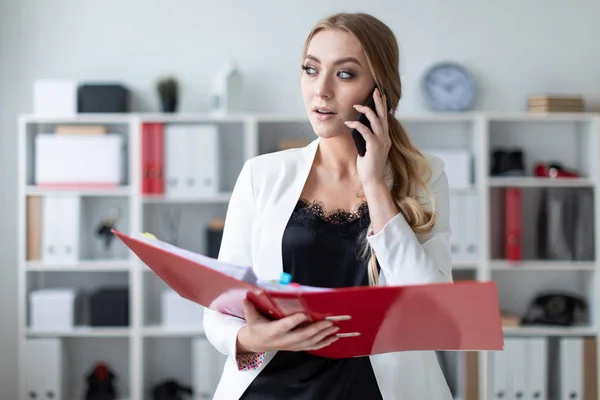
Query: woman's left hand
x=372, y=166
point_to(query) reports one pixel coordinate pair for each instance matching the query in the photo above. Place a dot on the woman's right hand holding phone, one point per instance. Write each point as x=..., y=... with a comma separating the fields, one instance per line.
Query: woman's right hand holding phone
x=290, y=333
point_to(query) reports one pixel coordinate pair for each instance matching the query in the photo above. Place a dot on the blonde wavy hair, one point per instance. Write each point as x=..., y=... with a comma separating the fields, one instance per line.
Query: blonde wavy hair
x=408, y=170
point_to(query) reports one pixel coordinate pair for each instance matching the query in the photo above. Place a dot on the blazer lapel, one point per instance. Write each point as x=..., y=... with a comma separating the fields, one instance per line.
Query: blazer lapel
x=279, y=209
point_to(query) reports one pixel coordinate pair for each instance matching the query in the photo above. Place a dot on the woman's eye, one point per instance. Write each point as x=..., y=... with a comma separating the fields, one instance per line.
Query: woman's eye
x=345, y=75
x=309, y=70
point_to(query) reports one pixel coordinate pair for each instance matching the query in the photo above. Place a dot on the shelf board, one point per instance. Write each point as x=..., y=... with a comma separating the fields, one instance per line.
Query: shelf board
x=121, y=118
x=81, y=118
x=206, y=117
x=525, y=116
x=539, y=182
x=166, y=199
x=82, y=331
x=91, y=266
x=542, y=265
x=464, y=265
x=427, y=117
x=161, y=331
x=118, y=191
x=548, y=331
x=472, y=189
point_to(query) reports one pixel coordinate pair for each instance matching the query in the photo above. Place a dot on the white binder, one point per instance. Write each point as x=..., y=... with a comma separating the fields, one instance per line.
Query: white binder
x=192, y=156
x=517, y=373
x=571, y=368
x=175, y=155
x=464, y=223
x=457, y=226
x=470, y=212
x=500, y=385
x=60, y=229
x=204, y=166
x=34, y=374
x=44, y=364
x=536, y=365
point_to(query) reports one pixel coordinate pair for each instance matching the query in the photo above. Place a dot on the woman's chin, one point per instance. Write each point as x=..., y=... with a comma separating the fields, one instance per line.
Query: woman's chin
x=328, y=129
x=326, y=133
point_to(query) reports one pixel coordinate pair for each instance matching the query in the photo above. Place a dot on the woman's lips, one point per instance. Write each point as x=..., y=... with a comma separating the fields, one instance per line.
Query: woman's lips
x=324, y=116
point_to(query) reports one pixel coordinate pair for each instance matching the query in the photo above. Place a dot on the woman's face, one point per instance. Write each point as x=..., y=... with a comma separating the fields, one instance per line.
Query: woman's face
x=335, y=78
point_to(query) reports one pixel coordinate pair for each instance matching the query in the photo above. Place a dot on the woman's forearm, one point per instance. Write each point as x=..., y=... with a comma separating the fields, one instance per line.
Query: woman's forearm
x=381, y=204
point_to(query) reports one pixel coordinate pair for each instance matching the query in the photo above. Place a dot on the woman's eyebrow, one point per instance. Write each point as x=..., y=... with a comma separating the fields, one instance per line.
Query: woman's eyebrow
x=337, y=62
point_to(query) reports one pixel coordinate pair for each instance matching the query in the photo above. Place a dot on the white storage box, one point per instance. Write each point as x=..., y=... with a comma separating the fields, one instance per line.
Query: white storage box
x=79, y=160
x=178, y=312
x=52, y=309
x=458, y=166
x=55, y=98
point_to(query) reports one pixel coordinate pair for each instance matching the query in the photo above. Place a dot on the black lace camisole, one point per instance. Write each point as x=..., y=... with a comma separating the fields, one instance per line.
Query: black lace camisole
x=320, y=249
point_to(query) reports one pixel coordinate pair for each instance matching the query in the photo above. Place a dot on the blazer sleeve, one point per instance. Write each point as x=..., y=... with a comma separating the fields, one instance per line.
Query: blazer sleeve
x=221, y=330
x=406, y=258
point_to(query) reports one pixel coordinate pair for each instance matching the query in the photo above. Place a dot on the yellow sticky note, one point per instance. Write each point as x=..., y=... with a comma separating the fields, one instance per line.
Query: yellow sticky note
x=149, y=235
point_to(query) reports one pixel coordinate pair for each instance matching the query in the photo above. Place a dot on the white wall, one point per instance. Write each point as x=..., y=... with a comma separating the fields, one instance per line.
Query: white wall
x=514, y=48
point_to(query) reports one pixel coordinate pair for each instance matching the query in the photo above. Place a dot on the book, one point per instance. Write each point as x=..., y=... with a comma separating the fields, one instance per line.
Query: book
x=372, y=320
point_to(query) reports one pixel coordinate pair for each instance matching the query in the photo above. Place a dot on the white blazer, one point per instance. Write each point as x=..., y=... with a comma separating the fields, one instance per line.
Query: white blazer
x=262, y=201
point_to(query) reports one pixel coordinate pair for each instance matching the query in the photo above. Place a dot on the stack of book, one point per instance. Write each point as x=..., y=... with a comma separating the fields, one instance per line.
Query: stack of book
x=555, y=103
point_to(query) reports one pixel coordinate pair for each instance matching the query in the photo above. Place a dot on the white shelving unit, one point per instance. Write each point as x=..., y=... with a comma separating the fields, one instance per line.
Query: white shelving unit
x=145, y=352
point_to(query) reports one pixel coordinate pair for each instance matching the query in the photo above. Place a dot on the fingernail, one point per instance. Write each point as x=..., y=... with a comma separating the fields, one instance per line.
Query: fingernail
x=349, y=334
x=338, y=317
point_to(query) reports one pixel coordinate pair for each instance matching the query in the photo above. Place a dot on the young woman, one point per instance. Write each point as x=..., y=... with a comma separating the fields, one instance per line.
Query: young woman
x=332, y=218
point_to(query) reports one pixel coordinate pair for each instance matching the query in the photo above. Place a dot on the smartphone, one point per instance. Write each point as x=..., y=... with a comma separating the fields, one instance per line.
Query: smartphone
x=359, y=141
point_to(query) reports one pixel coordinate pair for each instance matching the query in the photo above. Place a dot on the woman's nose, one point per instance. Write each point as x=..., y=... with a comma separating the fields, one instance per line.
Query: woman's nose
x=323, y=88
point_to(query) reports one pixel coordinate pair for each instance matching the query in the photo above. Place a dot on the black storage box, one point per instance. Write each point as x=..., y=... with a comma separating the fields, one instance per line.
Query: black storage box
x=102, y=98
x=109, y=307
x=214, y=235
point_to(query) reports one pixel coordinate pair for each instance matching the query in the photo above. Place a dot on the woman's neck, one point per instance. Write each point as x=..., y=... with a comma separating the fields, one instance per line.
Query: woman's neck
x=337, y=155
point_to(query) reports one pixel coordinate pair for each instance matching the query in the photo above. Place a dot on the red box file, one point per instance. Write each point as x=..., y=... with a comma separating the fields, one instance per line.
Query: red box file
x=514, y=234
x=382, y=319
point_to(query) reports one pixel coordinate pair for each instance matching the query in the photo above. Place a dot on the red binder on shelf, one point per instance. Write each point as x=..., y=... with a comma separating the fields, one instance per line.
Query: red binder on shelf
x=153, y=158
x=373, y=320
x=146, y=158
x=514, y=234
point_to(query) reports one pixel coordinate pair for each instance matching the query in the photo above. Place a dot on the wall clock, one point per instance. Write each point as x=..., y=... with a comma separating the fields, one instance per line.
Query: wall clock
x=448, y=86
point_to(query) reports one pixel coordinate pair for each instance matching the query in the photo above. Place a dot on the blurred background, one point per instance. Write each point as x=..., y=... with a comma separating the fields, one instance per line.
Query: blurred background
x=521, y=141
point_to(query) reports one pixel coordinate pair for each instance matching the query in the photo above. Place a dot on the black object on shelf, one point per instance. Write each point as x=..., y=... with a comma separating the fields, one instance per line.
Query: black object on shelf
x=565, y=224
x=101, y=383
x=109, y=307
x=102, y=98
x=556, y=308
x=508, y=162
x=214, y=235
x=171, y=390
x=168, y=91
